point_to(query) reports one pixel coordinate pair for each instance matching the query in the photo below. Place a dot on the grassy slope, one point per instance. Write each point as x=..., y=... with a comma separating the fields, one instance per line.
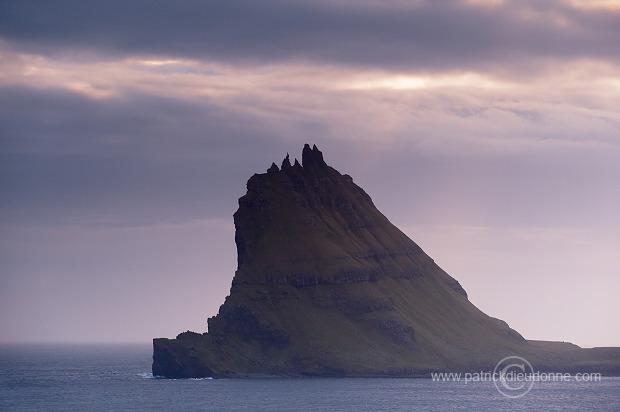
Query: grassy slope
x=353, y=295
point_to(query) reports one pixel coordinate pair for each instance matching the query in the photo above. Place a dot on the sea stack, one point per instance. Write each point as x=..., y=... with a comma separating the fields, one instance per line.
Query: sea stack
x=327, y=286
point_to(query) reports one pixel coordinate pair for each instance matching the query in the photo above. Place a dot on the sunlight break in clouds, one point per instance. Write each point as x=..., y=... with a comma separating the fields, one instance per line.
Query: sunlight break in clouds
x=569, y=105
x=596, y=4
x=161, y=62
x=411, y=82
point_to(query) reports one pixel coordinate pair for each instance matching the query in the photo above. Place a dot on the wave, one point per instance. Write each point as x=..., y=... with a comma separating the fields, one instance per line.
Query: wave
x=149, y=375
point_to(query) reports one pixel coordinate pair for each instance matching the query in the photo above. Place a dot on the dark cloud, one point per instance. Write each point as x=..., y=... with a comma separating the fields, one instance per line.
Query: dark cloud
x=134, y=159
x=431, y=35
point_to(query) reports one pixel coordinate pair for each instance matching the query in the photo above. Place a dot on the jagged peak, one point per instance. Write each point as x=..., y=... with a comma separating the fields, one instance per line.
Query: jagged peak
x=274, y=168
x=311, y=158
x=286, y=163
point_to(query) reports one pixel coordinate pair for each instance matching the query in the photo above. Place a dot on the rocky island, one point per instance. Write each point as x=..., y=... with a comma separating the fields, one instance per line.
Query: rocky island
x=327, y=286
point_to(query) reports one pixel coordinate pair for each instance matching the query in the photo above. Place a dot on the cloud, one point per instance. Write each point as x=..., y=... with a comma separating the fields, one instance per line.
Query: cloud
x=137, y=154
x=517, y=36
x=132, y=159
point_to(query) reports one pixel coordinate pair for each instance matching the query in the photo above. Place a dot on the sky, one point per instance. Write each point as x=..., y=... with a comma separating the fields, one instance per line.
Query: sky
x=487, y=130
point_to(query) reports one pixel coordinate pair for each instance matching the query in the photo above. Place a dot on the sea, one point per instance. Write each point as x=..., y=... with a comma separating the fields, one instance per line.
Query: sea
x=96, y=377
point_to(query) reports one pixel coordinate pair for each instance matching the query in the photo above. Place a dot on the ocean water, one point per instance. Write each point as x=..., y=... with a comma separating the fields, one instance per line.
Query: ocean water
x=117, y=378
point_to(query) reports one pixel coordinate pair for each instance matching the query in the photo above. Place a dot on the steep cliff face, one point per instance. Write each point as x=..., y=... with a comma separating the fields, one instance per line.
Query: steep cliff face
x=327, y=286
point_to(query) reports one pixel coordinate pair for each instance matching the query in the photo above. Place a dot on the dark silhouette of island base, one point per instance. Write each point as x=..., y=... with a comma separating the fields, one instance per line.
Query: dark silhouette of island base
x=327, y=286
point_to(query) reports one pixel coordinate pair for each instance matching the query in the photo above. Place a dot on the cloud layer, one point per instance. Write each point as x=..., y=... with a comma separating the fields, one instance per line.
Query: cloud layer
x=516, y=36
